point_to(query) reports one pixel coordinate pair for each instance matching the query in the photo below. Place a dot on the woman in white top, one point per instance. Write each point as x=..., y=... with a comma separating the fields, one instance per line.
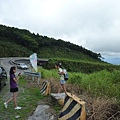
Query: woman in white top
x=62, y=80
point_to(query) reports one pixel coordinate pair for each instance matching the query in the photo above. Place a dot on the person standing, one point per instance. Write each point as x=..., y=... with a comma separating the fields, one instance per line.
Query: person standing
x=62, y=80
x=13, y=88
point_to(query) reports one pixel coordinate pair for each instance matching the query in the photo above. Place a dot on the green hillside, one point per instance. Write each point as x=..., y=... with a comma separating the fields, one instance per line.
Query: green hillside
x=44, y=46
x=22, y=43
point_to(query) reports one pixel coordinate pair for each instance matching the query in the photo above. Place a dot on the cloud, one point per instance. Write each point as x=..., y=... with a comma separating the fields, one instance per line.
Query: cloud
x=93, y=24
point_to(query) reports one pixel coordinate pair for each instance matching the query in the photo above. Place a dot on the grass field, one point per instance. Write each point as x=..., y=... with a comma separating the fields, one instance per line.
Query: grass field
x=100, y=90
x=28, y=98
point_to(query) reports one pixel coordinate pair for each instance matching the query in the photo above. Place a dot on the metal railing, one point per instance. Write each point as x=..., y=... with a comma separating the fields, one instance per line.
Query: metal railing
x=33, y=74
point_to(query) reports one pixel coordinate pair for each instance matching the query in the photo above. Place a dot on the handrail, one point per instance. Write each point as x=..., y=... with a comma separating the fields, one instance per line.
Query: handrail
x=33, y=74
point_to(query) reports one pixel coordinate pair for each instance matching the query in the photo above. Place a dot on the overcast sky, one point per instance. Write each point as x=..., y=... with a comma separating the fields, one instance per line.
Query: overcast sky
x=93, y=24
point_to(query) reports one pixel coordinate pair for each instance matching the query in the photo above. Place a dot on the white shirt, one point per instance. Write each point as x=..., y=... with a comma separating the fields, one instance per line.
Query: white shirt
x=61, y=75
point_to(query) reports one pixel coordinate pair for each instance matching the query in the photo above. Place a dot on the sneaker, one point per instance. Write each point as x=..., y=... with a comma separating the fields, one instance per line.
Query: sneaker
x=17, y=108
x=5, y=104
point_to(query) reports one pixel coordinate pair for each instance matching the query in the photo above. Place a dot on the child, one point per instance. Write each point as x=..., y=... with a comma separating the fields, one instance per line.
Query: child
x=62, y=80
x=13, y=88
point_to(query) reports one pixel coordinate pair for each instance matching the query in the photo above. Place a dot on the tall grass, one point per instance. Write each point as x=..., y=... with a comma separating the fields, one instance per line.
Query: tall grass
x=48, y=73
x=103, y=83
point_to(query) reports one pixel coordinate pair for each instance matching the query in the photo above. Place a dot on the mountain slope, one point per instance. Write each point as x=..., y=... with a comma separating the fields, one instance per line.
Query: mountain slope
x=44, y=46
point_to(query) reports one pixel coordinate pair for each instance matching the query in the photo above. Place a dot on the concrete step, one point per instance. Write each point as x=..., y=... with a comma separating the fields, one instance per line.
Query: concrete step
x=58, y=98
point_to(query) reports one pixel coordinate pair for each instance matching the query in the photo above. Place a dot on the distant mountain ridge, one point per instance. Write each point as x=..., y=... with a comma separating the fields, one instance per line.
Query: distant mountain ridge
x=114, y=61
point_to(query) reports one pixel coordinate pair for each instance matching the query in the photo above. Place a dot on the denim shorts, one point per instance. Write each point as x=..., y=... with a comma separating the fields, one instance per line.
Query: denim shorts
x=62, y=81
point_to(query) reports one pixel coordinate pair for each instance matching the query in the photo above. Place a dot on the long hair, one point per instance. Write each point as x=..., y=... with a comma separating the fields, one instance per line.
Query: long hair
x=59, y=64
x=11, y=70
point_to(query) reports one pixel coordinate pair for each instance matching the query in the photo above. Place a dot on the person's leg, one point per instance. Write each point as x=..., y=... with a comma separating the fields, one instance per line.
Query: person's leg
x=6, y=103
x=59, y=89
x=64, y=88
x=9, y=100
x=15, y=98
x=15, y=101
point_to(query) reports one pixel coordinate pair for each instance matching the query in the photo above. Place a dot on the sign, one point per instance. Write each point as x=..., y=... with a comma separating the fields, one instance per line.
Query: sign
x=33, y=60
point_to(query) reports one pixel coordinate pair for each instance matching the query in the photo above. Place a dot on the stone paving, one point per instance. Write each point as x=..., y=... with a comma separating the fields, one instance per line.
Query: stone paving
x=41, y=113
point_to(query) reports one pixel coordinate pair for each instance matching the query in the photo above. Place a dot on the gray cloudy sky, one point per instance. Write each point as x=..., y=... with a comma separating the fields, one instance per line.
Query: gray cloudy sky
x=94, y=24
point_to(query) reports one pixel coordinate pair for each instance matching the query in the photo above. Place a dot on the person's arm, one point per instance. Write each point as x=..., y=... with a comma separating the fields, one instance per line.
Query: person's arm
x=60, y=72
x=17, y=78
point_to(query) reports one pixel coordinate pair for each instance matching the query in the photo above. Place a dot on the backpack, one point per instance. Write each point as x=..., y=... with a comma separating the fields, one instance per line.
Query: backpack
x=65, y=74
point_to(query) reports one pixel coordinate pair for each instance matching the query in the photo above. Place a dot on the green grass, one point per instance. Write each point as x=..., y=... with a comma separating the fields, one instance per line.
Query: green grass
x=57, y=107
x=100, y=84
x=28, y=99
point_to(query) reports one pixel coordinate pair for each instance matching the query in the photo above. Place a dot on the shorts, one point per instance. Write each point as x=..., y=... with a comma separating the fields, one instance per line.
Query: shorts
x=13, y=89
x=62, y=81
